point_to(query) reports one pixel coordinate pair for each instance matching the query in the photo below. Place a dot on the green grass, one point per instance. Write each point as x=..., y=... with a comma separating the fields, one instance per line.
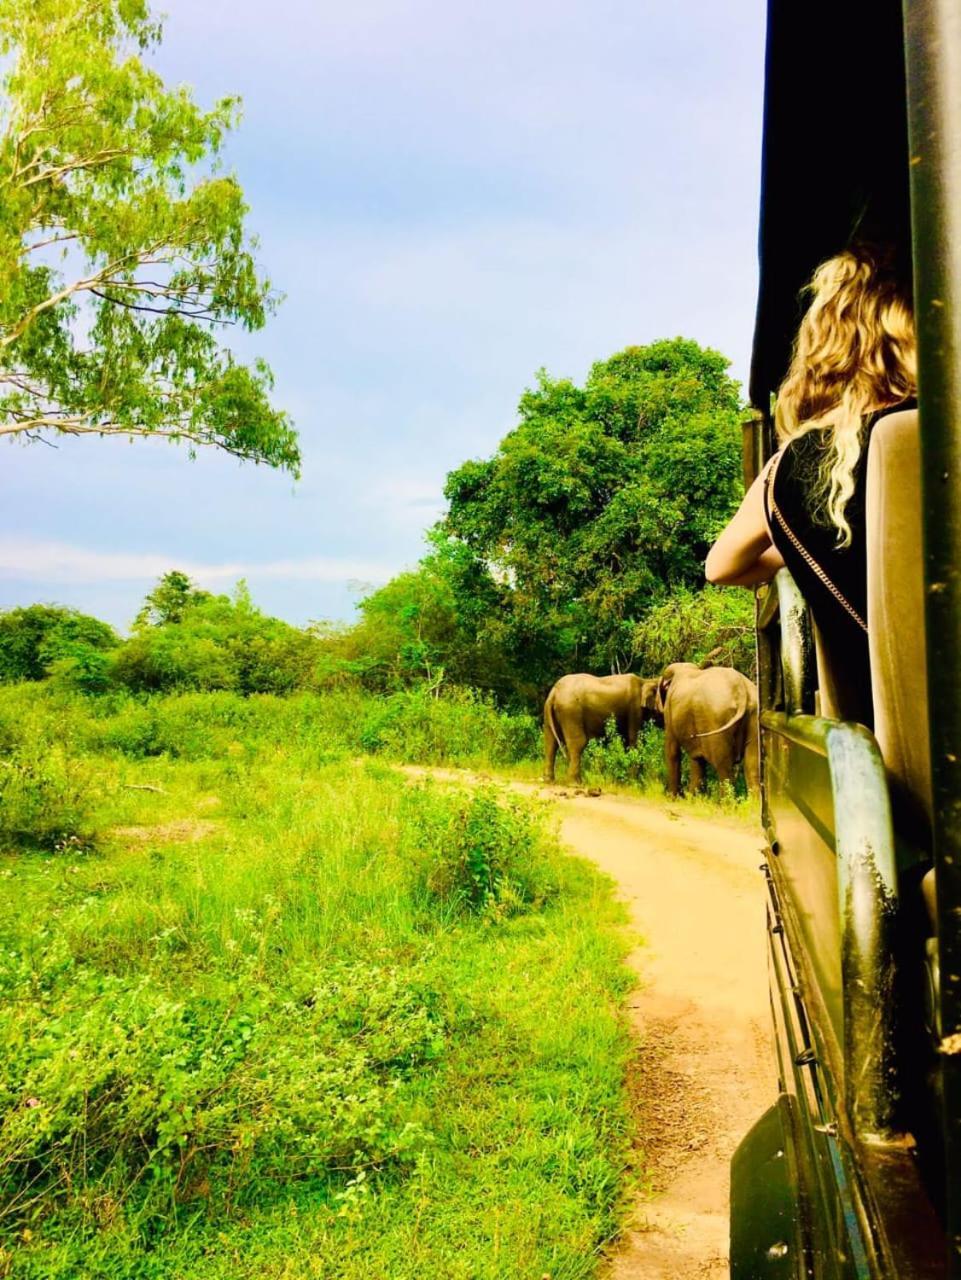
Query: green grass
x=289, y=1015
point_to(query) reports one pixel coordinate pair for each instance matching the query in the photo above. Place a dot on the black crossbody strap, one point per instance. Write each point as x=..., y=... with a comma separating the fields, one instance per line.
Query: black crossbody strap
x=802, y=550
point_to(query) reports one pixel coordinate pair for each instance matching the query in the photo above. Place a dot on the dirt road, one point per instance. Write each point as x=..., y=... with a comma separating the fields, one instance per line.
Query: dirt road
x=705, y=1062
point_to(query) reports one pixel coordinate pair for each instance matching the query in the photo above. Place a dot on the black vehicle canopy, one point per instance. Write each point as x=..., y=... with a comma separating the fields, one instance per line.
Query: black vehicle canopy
x=835, y=155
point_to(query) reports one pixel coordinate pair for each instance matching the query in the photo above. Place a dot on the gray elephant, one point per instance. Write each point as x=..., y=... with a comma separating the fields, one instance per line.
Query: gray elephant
x=579, y=706
x=711, y=714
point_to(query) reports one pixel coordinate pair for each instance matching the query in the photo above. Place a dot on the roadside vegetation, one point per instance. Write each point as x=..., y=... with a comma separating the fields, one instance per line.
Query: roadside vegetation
x=268, y=1009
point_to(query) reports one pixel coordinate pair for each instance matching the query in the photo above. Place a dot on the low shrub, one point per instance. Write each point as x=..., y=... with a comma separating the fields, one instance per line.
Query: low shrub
x=46, y=798
x=158, y=1100
x=459, y=727
x=478, y=852
x=607, y=759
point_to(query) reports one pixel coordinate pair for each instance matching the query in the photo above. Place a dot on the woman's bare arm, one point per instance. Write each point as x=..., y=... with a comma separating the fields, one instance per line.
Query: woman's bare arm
x=763, y=570
x=744, y=554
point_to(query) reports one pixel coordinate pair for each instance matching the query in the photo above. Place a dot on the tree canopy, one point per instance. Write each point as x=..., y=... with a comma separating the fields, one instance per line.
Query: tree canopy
x=34, y=638
x=185, y=638
x=601, y=502
x=123, y=250
x=170, y=600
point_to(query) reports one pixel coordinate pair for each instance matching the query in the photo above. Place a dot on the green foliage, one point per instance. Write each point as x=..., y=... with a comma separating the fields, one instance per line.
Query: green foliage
x=46, y=801
x=460, y=727
x=603, y=500
x=84, y=669
x=170, y=600
x=597, y=509
x=478, y=852
x=714, y=623
x=607, y=759
x=200, y=641
x=405, y=632
x=35, y=639
x=122, y=248
x=295, y=1015
x=161, y=1101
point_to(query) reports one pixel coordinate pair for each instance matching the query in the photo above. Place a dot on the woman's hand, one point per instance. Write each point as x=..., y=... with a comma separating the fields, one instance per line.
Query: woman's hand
x=744, y=554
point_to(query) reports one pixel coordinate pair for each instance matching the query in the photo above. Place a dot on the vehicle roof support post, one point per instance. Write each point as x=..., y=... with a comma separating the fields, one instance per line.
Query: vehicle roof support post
x=933, y=63
x=867, y=904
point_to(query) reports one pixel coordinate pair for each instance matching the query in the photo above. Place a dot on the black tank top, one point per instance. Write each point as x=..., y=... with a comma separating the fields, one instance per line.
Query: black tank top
x=832, y=579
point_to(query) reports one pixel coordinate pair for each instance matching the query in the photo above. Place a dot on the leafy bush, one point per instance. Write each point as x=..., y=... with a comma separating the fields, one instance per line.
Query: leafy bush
x=206, y=642
x=83, y=669
x=607, y=759
x=115, y=1082
x=45, y=798
x=478, y=852
x=689, y=626
x=459, y=727
x=35, y=638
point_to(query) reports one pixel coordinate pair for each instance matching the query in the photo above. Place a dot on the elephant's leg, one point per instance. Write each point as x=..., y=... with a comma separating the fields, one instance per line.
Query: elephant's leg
x=550, y=753
x=672, y=758
x=633, y=724
x=724, y=761
x=576, y=742
x=697, y=776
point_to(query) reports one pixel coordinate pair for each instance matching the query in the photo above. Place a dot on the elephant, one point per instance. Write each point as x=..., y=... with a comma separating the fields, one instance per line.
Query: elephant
x=712, y=714
x=579, y=706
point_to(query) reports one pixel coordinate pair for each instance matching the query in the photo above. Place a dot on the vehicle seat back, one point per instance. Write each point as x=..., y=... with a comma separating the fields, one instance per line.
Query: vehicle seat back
x=896, y=617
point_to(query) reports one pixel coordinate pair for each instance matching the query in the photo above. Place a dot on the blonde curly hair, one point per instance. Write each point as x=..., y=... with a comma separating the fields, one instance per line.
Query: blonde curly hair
x=855, y=353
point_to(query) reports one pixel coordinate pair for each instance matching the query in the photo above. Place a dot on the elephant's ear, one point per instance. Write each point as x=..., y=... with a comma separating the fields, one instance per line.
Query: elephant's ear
x=662, y=687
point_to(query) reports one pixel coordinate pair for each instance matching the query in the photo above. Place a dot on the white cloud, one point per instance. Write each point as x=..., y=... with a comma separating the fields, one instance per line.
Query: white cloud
x=49, y=562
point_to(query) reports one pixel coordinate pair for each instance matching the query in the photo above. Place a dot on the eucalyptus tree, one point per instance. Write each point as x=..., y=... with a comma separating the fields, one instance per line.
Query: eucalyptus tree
x=124, y=255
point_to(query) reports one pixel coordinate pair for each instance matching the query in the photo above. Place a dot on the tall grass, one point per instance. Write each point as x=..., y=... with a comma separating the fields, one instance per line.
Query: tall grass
x=284, y=1014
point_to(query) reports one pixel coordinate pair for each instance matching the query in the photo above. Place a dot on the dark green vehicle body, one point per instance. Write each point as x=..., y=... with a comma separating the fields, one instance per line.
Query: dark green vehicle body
x=855, y=1173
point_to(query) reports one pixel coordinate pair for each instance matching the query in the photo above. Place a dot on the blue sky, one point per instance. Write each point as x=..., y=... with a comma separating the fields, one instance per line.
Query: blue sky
x=450, y=197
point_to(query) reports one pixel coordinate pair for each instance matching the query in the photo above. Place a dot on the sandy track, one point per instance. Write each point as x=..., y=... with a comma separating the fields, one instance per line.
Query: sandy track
x=705, y=1062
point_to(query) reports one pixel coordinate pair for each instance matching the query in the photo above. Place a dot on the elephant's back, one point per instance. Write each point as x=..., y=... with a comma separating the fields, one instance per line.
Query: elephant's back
x=728, y=681
x=582, y=683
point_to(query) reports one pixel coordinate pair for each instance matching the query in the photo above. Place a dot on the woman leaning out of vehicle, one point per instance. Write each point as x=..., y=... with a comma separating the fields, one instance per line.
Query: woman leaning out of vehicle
x=854, y=360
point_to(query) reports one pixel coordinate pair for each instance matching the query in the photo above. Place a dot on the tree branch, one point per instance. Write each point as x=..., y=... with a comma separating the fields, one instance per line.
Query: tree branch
x=79, y=286
x=104, y=156
x=78, y=426
x=201, y=313
x=42, y=244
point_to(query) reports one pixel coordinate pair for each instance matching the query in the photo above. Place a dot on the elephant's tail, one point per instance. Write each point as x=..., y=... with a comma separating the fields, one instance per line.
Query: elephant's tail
x=744, y=705
x=551, y=722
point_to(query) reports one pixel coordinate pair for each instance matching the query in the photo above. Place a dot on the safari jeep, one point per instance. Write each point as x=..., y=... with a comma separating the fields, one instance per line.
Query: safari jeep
x=855, y=1172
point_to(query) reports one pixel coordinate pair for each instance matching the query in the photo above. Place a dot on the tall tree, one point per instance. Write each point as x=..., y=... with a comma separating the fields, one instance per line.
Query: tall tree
x=123, y=252
x=603, y=500
x=169, y=601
